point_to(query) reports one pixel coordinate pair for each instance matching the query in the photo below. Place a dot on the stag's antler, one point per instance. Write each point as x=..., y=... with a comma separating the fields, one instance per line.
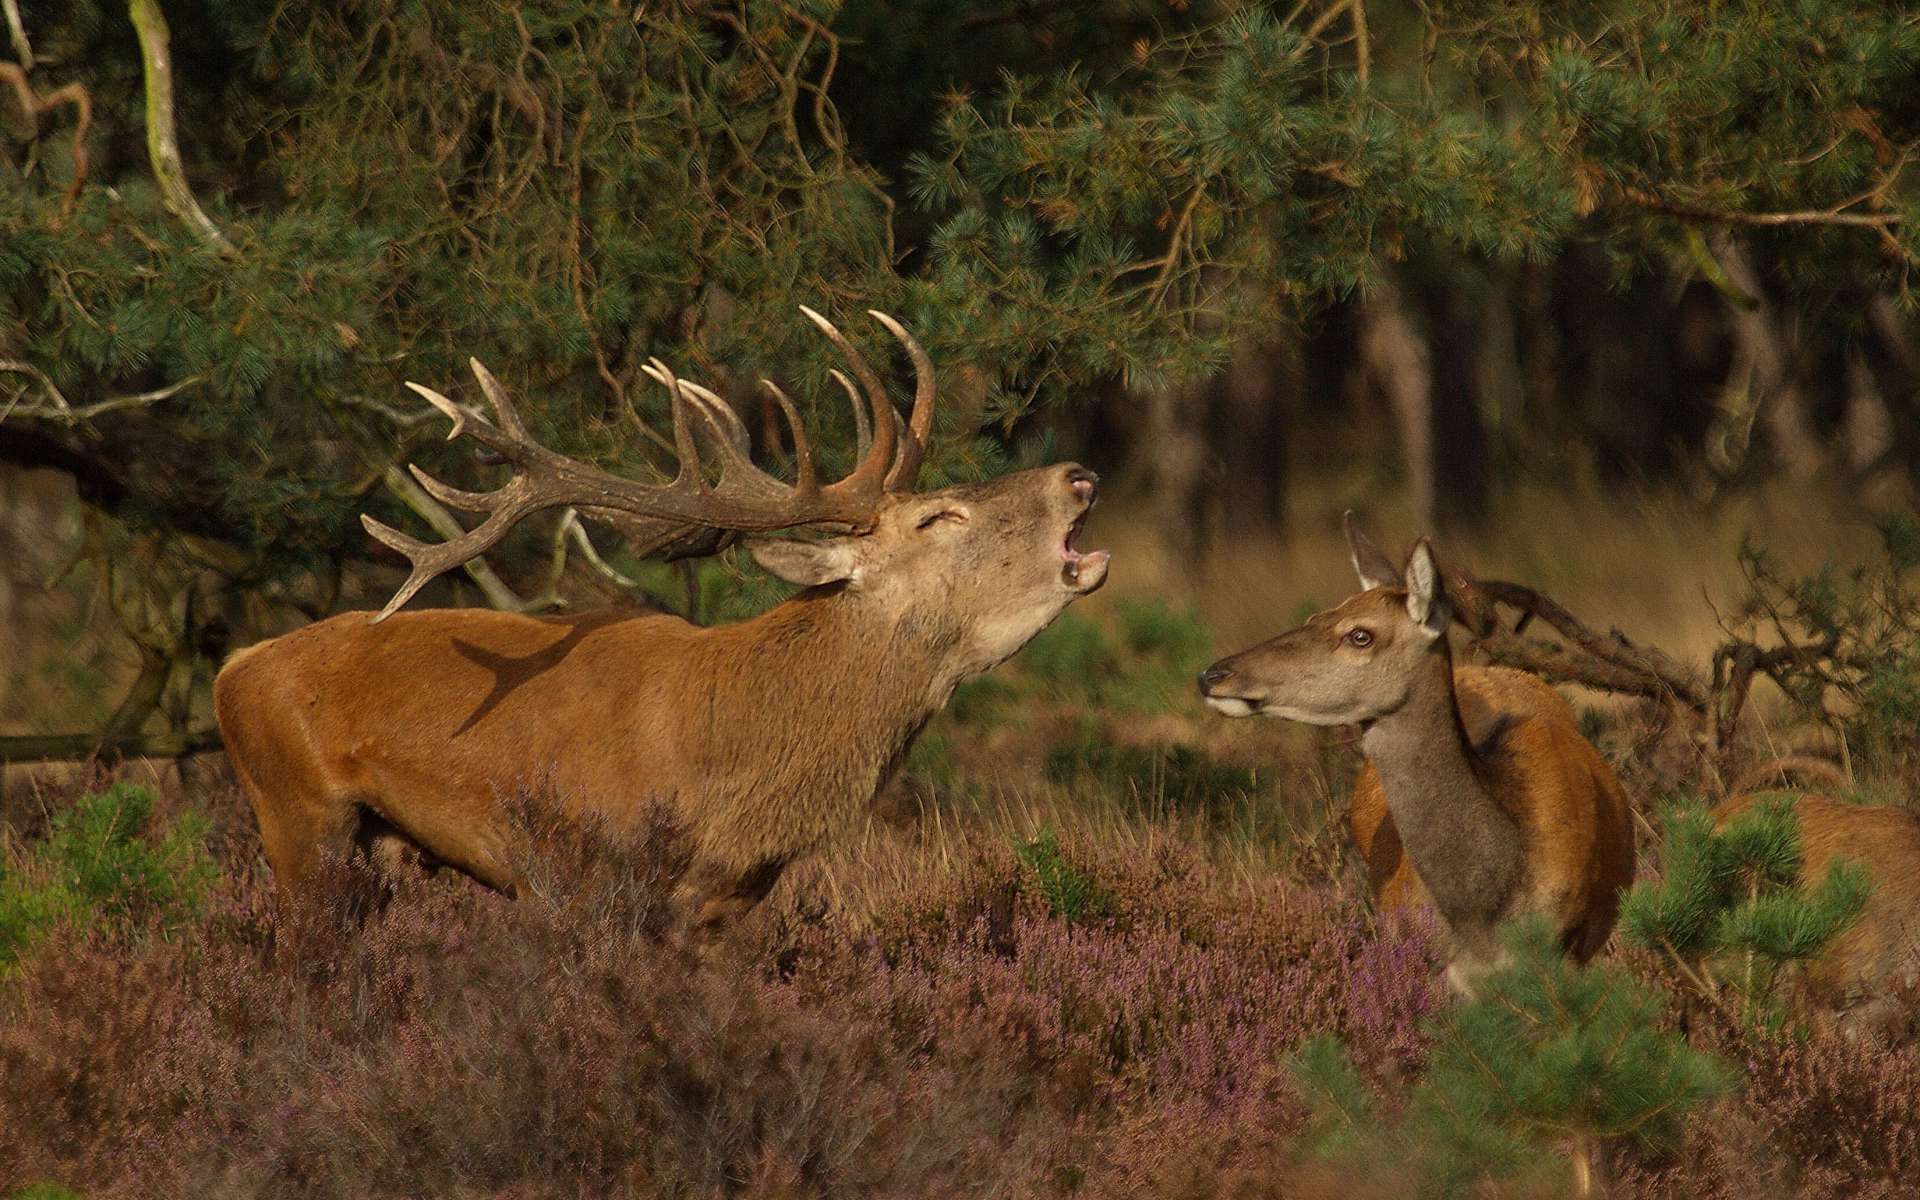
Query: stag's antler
x=689, y=515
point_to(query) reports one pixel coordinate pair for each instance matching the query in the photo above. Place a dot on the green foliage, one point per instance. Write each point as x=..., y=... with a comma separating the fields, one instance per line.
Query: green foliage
x=1149, y=668
x=44, y=1191
x=1069, y=891
x=1057, y=199
x=1730, y=912
x=1172, y=777
x=1072, y=655
x=1548, y=1058
x=103, y=866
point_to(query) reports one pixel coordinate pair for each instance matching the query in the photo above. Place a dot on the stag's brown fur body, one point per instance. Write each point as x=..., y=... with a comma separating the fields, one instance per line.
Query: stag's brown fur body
x=762, y=757
x=1870, y=973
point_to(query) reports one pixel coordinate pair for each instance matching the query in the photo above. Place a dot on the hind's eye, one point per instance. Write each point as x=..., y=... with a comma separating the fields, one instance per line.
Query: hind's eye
x=945, y=514
x=1360, y=638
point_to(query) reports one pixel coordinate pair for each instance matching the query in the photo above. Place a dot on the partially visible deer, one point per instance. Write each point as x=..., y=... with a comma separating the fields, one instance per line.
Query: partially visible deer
x=1479, y=792
x=402, y=733
x=1869, y=976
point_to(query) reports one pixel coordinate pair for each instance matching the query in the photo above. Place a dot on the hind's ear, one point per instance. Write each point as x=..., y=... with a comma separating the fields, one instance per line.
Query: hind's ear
x=808, y=564
x=1374, y=568
x=1426, y=598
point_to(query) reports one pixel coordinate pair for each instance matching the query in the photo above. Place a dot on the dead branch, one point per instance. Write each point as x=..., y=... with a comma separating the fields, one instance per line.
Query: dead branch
x=56, y=406
x=59, y=747
x=36, y=104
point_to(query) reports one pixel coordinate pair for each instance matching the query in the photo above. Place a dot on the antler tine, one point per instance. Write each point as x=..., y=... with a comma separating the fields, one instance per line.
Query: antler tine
x=739, y=479
x=497, y=395
x=806, y=482
x=878, y=459
x=429, y=561
x=452, y=497
x=913, y=447
x=717, y=407
x=862, y=423
x=691, y=474
x=453, y=411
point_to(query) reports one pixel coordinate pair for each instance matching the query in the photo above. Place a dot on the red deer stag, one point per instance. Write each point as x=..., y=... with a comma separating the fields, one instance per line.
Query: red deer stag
x=402, y=733
x=1479, y=793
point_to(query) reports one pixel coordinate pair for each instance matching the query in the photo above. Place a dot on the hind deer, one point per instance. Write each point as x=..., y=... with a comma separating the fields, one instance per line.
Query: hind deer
x=1479, y=794
x=400, y=734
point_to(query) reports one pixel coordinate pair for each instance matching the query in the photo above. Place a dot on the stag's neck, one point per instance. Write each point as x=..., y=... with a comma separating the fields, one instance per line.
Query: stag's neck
x=837, y=686
x=1467, y=848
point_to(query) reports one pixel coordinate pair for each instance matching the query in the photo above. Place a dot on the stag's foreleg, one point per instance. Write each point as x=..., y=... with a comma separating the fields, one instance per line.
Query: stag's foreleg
x=718, y=896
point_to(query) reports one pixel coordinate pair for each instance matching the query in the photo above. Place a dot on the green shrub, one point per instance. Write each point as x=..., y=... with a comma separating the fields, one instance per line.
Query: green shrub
x=1526, y=1080
x=1731, y=914
x=1069, y=891
x=1176, y=637
x=1072, y=656
x=101, y=865
x=1168, y=775
x=1147, y=668
x=44, y=1191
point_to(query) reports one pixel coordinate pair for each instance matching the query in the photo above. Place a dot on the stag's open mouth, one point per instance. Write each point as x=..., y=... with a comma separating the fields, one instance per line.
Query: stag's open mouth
x=1082, y=572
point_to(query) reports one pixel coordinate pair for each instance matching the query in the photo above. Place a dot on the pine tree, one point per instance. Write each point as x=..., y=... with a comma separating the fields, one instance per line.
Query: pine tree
x=1532, y=1078
x=1731, y=914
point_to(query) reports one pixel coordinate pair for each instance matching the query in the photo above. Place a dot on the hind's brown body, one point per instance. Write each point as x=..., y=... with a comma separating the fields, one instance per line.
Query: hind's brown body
x=1585, y=855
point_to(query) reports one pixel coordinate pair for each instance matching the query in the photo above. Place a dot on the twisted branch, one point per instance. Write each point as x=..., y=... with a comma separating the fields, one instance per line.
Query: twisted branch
x=36, y=104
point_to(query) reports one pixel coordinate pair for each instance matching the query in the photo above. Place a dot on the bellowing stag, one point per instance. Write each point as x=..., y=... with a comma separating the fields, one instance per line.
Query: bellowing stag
x=403, y=733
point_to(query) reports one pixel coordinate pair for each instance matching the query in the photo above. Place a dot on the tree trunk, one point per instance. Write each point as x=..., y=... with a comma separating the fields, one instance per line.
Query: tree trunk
x=1395, y=355
x=1763, y=349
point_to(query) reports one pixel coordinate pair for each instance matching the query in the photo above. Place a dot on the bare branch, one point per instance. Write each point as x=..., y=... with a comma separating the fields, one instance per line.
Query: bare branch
x=1839, y=214
x=163, y=138
x=57, y=407
x=74, y=94
x=18, y=29
x=58, y=747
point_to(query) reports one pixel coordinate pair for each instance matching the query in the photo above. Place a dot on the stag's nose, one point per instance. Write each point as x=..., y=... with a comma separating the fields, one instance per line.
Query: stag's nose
x=1085, y=483
x=1212, y=676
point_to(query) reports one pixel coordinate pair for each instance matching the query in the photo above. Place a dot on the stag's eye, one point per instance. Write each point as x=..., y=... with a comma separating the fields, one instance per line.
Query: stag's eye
x=1359, y=638
x=945, y=514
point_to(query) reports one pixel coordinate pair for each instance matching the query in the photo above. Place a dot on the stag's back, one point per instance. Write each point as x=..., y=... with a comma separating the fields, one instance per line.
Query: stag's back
x=1576, y=818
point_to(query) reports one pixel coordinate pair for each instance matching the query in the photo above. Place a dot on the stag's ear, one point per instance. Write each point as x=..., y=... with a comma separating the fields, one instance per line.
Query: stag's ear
x=1426, y=599
x=808, y=564
x=1374, y=568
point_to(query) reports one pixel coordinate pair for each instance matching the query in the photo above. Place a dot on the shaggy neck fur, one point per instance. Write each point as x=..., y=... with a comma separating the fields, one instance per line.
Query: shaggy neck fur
x=1465, y=846
x=807, y=747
